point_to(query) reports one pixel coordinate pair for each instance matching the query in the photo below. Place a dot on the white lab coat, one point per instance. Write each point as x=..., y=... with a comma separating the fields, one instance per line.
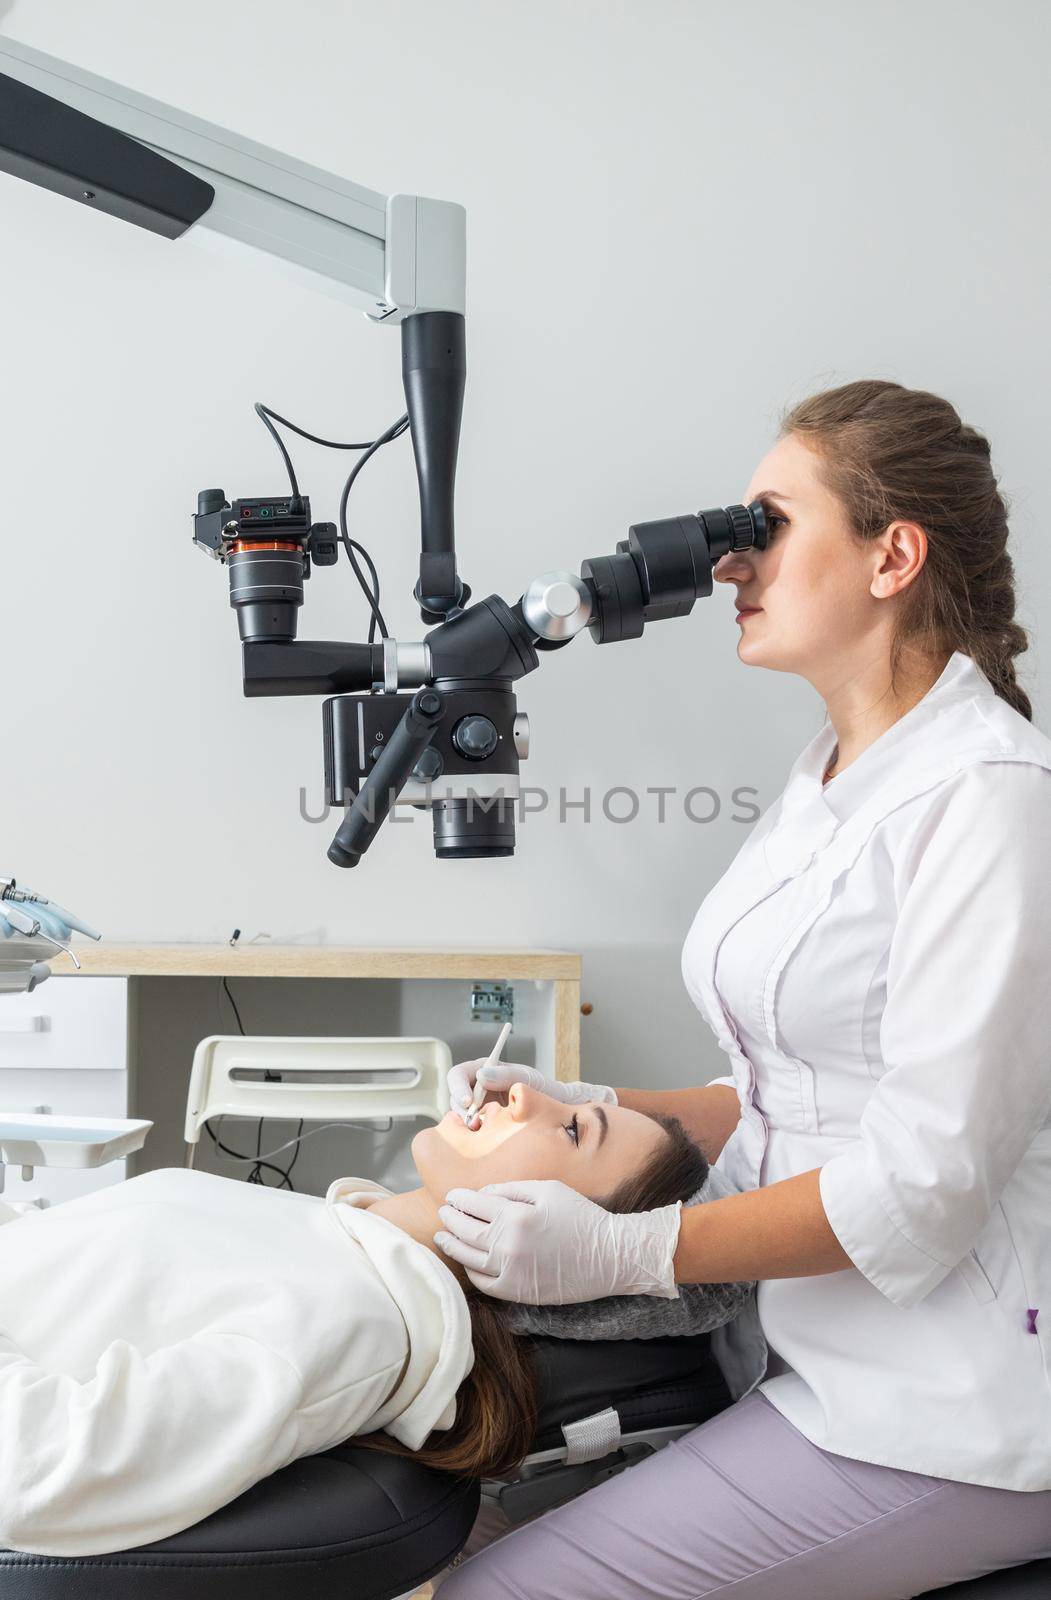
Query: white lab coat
x=877, y=964
x=167, y=1342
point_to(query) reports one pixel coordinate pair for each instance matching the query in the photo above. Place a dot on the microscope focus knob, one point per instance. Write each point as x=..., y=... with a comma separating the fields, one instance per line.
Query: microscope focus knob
x=429, y=766
x=557, y=605
x=475, y=737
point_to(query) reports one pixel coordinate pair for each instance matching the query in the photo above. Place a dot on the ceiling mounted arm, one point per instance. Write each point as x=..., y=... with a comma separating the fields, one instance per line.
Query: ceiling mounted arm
x=150, y=164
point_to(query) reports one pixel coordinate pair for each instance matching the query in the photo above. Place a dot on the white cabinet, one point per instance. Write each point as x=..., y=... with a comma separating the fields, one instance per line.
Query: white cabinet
x=65, y=1048
x=76, y=1025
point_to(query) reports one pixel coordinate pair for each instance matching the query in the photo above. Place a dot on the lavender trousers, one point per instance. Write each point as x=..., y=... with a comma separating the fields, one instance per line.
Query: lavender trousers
x=745, y=1506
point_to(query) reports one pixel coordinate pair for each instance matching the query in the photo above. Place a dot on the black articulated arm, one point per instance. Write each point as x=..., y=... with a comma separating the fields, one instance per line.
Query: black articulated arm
x=434, y=372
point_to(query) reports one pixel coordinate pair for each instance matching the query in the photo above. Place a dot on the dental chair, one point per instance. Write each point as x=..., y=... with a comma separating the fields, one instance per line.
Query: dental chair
x=354, y=1524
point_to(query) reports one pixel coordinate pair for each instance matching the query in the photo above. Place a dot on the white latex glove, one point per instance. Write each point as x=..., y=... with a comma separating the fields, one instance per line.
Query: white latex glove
x=543, y=1244
x=499, y=1077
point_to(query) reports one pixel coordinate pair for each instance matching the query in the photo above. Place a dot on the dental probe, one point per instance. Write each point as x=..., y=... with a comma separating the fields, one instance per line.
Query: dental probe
x=494, y=1055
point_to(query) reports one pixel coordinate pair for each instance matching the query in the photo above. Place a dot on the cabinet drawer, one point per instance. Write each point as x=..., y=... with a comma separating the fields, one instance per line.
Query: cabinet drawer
x=73, y=1093
x=68, y=1024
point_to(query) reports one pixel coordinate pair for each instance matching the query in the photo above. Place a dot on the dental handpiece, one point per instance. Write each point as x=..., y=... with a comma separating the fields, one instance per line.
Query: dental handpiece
x=479, y=1087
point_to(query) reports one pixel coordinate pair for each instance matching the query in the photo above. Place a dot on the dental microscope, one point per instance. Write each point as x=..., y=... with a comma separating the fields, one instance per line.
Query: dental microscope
x=430, y=722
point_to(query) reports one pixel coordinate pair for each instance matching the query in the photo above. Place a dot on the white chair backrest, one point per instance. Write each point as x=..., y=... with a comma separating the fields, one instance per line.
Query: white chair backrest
x=352, y=1080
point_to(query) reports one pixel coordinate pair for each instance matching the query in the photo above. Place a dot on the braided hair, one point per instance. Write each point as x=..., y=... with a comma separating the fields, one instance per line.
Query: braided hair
x=895, y=454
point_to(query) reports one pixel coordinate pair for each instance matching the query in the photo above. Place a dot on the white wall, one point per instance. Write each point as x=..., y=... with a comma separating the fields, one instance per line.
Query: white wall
x=681, y=216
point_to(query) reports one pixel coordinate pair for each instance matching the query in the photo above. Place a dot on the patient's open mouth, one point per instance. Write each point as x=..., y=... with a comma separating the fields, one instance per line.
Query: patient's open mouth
x=483, y=1116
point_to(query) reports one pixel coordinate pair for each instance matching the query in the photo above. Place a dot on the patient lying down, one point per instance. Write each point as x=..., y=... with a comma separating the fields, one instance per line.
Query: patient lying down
x=169, y=1341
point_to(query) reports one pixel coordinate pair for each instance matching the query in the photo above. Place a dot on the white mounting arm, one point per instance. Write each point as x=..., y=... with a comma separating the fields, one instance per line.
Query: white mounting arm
x=390, y=255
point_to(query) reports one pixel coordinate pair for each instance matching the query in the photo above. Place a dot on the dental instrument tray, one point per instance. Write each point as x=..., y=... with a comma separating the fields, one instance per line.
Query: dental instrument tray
x=39, y=1139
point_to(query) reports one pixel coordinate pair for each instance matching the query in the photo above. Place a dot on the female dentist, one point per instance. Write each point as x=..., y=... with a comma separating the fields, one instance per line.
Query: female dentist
x=875, y=964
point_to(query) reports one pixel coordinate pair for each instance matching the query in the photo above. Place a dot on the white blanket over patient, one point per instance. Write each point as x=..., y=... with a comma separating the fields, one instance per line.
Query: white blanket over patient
x=168, y=1341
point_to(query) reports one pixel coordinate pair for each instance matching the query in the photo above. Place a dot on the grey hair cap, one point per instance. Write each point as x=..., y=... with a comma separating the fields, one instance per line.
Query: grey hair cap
x=699, y=1308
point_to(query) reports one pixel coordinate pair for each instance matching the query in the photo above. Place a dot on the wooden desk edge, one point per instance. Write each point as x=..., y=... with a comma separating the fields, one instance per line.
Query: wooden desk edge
x=318, y=961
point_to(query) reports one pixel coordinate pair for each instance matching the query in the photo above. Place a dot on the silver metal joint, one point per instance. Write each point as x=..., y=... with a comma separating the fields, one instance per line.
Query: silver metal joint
x=520, y=734
x=405, y=666
x=557, y=605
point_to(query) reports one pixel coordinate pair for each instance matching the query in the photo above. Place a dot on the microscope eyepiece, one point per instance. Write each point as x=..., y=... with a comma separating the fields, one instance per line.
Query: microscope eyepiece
x=663, y=567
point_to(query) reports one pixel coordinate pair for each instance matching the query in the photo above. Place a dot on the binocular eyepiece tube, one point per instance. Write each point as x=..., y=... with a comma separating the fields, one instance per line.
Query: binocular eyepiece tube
x=663, y=567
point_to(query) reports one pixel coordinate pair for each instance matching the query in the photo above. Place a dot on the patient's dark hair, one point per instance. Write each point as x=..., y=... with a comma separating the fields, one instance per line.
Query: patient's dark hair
x=496, y=1404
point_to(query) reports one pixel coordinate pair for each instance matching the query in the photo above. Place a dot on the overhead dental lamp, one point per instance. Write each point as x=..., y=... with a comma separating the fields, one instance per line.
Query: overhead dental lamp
x=431, y=722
